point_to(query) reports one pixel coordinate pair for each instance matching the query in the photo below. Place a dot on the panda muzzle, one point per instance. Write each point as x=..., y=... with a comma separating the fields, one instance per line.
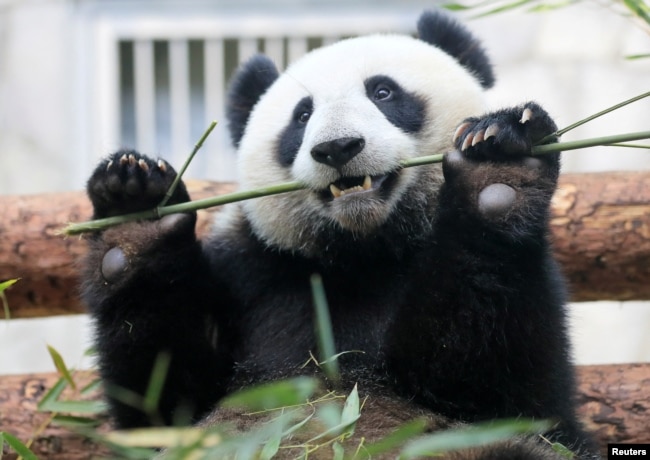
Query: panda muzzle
x=349, y=185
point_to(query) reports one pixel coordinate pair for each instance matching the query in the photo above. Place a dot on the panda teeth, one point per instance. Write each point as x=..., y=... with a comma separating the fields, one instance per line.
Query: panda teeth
x=339, y=192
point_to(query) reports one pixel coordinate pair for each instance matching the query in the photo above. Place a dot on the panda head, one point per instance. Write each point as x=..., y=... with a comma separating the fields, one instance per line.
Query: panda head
x=342, y=118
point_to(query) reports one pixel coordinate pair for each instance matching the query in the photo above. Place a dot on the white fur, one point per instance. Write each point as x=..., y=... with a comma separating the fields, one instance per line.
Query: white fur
x=334, y=77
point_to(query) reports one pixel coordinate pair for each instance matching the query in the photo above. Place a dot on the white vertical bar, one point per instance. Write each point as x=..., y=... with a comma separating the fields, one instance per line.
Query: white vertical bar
x=246, y=48
x=274, y=49
x=221, y=159
x=179, y=82
x=145, y=107
x=297, y=47
x=104, y=109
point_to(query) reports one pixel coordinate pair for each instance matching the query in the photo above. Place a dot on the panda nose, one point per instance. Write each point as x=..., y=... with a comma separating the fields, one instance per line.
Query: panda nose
x=338, y=152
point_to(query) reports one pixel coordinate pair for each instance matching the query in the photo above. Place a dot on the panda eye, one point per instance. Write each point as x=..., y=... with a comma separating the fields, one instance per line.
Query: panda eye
x=303, y=117
x=383, y=93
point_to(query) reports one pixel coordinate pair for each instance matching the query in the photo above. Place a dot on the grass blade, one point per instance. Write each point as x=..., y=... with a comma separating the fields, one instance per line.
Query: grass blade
x=273, y=395
x=20, y=448
x=471, y=436
x=59, y=363
x=324, y=334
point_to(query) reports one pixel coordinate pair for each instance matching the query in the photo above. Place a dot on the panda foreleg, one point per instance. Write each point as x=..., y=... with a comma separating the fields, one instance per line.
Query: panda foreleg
x=147, y=287
x=492, y=178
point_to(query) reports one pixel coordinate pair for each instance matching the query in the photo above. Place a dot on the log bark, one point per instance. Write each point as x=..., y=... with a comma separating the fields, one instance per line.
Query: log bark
x=47, y=263
x=601, y=232
x=614, y=403
x=600, y=225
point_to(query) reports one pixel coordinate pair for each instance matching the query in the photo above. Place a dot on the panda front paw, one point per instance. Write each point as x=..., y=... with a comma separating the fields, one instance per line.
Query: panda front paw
x=504, y=135
x=128, y=181
x=493, y=174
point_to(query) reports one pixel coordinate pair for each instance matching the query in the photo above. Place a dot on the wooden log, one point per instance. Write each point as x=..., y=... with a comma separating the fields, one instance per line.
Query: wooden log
x=19, y=416
x=32, y=248
x=600, y=225
x=614, y=403
x=601, y=232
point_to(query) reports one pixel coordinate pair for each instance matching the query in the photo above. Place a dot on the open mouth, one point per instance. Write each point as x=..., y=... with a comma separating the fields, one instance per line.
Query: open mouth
x=346, y=186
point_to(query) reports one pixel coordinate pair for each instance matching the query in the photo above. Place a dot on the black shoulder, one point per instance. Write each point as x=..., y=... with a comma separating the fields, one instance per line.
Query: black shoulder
x=248, y=85
x=441, y=30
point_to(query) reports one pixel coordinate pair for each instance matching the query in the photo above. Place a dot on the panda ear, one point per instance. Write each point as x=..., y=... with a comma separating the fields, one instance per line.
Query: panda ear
x=441, y=30
x=248, y=85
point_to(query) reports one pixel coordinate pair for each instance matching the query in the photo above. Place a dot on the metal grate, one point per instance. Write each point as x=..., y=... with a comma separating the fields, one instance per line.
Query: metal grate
x=161, y=80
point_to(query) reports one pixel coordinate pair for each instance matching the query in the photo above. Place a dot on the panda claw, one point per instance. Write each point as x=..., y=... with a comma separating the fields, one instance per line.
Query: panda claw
x=527, y=115
x=461, y=130
x=124, y=159
x=478, y=137
x=491, y=131
x=143, y=165
x=162, y=166
x=467, y=142
x=108, y=166
x=132, y=160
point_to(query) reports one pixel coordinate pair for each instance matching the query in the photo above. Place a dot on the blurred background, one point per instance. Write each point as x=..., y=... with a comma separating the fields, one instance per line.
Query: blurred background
x=82, y=78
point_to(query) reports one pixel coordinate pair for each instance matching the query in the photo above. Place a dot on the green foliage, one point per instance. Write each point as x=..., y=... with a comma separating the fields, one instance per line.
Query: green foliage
x=18, y=447
x=324, y=333
x=637, y=8
x=472, y=436
x=5, y=305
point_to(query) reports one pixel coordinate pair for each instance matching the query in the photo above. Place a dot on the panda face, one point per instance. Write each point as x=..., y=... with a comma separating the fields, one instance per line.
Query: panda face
x=340, y=120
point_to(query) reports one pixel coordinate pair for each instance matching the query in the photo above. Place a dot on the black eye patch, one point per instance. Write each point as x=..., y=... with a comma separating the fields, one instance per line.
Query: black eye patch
x=291, y=137
x=403, y=109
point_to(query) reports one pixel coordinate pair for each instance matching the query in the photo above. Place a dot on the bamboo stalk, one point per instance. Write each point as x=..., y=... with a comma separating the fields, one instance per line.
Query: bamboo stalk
x=160, y=211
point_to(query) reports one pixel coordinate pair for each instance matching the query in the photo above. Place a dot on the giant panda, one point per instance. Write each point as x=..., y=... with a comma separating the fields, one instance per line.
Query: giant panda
x=440, y=275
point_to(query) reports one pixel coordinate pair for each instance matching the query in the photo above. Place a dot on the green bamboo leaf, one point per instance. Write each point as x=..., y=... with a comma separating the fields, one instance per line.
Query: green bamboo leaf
x=324, y=334
x=401, y=435
x=506, y=7
x=77, y=407
x=59, y=363
x=274, y=395
x=545, y=7
x=350, y=413
x=638, y=8
x=91, y=387
x=562, y=450
x=329, y=414
x=156, y=382
x=5, y=305
x=292, y=429
x=51, y=403
x=471, y=436
x=271, y=447
x=52, y=395
x=339, y=451
x=72, y=421
x=632, y=57
x=162, y=437
x=6, y=284
x=20, y=448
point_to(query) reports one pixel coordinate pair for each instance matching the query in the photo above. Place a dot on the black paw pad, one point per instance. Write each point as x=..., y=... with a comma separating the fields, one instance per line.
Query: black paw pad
x=114, y=264
x=496, y=200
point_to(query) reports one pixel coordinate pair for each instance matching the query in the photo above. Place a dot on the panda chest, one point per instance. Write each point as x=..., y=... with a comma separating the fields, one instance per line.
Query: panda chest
x=279, y=329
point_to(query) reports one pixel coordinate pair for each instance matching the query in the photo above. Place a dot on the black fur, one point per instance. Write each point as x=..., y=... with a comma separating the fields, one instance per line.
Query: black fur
x=441, y=30
x=457, y=307
x=249, y=84
x=402, y=108
x=290, y=139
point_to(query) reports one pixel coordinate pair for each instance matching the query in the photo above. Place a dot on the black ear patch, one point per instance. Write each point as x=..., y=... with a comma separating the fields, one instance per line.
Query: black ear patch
x=248, y=85
x=439, y=29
